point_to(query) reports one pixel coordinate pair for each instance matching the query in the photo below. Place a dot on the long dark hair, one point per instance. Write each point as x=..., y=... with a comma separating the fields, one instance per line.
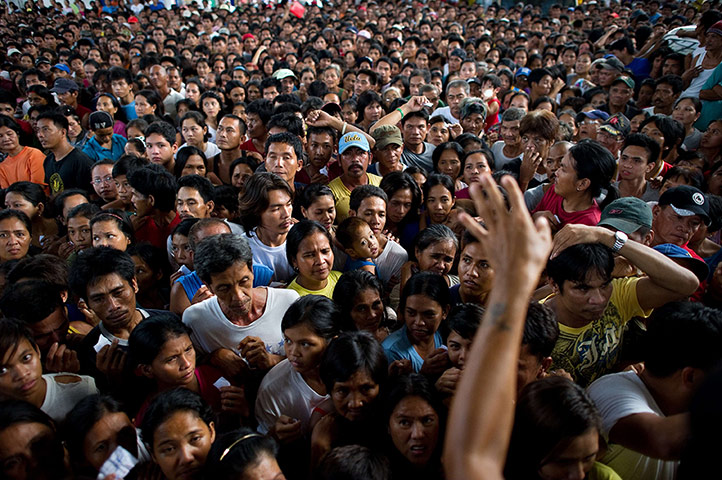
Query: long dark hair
x=596, y=163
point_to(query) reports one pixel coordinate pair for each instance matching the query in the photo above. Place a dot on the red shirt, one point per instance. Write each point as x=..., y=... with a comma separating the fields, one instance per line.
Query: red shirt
x=553, y=203
x=155, y=235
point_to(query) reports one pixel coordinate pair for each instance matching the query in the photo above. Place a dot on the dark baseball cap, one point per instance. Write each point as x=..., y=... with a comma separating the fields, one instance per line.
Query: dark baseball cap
x=625, y=79
x=617, y=124
x=686, y=201
x=627, y=214
x=64, y=85
x=99, y=120
x=612, y=63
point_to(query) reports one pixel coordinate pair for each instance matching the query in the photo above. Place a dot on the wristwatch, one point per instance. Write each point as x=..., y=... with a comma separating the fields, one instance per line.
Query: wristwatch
x=620, y=238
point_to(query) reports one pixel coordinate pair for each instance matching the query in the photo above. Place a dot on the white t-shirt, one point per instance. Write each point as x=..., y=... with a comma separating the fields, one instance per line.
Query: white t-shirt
x=60, y=398
x=212, y=329
x=211, y=150
x=283, y=391
x=617, y=396
x=446, y=113
x=390, y=261
x=272, y=257
x=500, y=160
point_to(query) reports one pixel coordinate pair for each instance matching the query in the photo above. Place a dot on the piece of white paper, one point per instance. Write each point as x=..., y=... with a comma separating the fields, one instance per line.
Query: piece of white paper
x=120, y=463
x=222, y=382
x=102, y=341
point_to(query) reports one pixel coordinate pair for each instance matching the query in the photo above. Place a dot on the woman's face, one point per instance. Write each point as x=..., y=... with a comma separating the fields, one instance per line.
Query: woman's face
x=105, y=436
x=9, y=140
x=373, y=112
x=194, y=166
x=348, y=82
x=439, y=203
x=193, y=92
x=438, y=134
x=414, y=430
x=685, y=113
x=354, y=398
x=181, y=445
x=422, y=316
x=174, y=365
x=211, y=107
x=108, y=234
x=368, y=310
x=399, y=205
x=193, y=133
x=574, y=461
x=143, y=107
x=314, y=259
x=322, y=210
x=105, y=104
x=349, y=114
x=254, y=93
x=437, y=257
x=330, y=78
x=18, y=444
x=474, y=167
x=74, y=127
x=304, y=348
x=241, y=173
x=652, y=131
x=565, y=182
x=16, y=201
x=449, y=163
x=581, y=66
x=712, y=137
x=144, y=274
x=14, y=239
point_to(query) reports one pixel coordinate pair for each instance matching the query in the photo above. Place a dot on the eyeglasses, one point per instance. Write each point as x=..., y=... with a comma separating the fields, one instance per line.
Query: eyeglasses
x=98, y=181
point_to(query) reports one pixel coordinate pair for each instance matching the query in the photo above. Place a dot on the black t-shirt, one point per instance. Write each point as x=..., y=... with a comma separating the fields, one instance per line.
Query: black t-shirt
x=73, y=171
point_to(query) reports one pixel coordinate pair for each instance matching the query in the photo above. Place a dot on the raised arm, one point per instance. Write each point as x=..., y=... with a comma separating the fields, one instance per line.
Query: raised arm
x=319, y=118
x=482, y=413
x=414, y=104
x=665, y=281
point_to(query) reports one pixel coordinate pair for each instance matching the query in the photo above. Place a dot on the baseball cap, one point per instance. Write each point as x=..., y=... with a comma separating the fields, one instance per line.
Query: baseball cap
x=42, y=60
x=99, y=120
x=685, y=259
x=458, y=52
x=353, y=139
x=523, y=71
x=612, y=63
x=617, y=124
x=364, y=34
x=627, y=214
x=248, y=35
x=332, y=108
x=387, y=135
x=64, y=85
x=13, y=51
x=593, y=114
x=686, y=201
x=133, y=19
x=61, y=66
x=282, y=73
x=625, y=80
x=716, y=28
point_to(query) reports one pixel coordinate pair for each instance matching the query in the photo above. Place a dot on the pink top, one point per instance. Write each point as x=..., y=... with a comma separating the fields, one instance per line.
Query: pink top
x=553, y=203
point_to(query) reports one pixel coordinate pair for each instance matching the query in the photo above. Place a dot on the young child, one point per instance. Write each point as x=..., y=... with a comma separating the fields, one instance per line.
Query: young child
x=463, y=321
x=359, y=243
x=22, y=378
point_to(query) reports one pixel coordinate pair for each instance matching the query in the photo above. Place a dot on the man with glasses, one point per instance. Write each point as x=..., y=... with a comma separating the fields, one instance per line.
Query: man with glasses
x=611, y=134
x=101, y=178
x=589, y=123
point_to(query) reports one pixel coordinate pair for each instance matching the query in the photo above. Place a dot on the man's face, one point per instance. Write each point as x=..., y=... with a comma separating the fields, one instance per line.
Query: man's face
x=158, y=76
x=120, y=88
x=256, y=127
x=672, y=66
x=319, y=149
x=415, y=84
x=663, y=96
x=670, y=227
x=281, y=159
x=160, y=151
x=529, y=368
x=453, y=98
x=543, y=87
x=383, y=70
x=270, y=92
x=7, y=109
x=414, y=131
x=587, y=299
x=104, y=136
x=31, y=80
x=49, y=134
x=68, y=98
x=619, y=95
x=228, y=135
x=354, y=162
x=373, y=211
x=362, y=83
x=174, y=79
x=190, y=204
x=112, y=298
x=51, y=329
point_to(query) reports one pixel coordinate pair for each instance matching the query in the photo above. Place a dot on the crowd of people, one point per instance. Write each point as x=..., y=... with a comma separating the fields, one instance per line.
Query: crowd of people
x=360, y=240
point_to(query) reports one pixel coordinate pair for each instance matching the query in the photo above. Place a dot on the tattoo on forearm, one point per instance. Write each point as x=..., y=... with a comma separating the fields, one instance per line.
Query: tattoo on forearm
x=497, y=312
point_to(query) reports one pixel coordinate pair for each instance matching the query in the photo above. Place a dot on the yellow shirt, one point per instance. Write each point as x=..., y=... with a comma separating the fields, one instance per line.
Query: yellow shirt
x=343, y=194
x=327, y=291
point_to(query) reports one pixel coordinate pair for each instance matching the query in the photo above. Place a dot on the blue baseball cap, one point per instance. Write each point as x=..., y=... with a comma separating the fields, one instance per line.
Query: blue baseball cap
x=684, y=258
x=592, y=114
x=61, y=66
x=523, y=71
x=353, y=139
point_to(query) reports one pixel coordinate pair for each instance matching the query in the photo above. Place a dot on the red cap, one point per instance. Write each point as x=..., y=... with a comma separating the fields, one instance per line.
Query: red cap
x=133, y=20
x=247, y=35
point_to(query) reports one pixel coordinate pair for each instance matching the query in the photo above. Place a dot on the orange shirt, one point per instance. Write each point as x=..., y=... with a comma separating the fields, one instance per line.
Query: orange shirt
x=25, y=166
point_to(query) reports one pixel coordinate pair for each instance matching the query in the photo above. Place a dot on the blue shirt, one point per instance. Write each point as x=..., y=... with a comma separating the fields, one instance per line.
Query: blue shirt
x=97, y=152
x=397, y=346
x=129, y=111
